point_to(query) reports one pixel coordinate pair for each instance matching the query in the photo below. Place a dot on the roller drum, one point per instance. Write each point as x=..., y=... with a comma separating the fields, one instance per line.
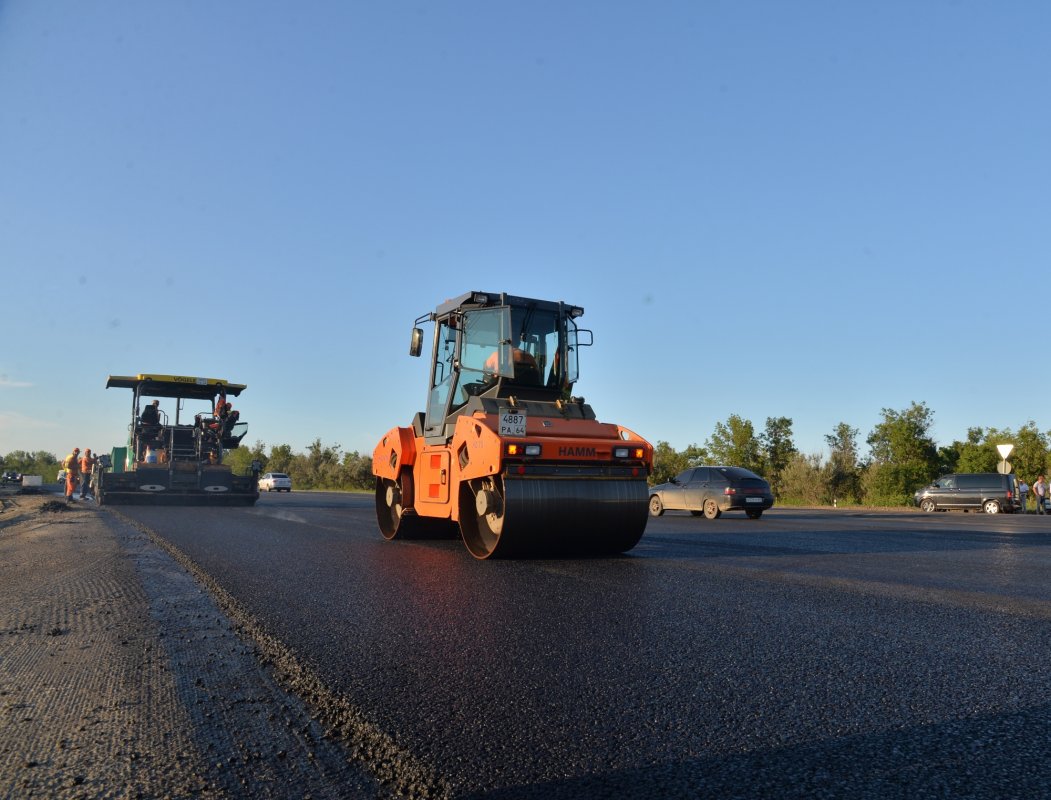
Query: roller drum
x=531, y=517
x=396, y=518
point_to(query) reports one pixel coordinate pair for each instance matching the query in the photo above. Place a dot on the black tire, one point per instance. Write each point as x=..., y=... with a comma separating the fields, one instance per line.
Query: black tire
x=927, y=505
x=755, y=513
x=711, y=509
x=656, y=506
x=991, y=507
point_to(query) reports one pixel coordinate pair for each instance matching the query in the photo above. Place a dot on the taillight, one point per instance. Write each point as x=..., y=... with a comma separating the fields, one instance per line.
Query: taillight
x=519, y=449
x=729, y=490
x=629, y=452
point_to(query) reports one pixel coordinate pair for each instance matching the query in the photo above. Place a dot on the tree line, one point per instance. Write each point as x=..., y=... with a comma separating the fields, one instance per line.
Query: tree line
x=901, y=457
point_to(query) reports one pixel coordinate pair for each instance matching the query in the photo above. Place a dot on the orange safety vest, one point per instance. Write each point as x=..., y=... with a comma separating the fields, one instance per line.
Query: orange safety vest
x=86, y=463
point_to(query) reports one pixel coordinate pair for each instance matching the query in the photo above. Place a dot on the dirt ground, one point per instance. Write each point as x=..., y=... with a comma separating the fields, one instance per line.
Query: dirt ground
x=120, y=677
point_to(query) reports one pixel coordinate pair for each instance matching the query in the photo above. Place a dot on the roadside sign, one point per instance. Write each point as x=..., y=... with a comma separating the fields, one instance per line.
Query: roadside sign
x=1004, y=467
x=1004, y=450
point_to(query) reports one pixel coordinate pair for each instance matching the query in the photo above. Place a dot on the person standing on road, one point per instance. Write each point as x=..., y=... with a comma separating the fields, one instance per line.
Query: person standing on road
x=71, y=464
x=1023, y=490
x=87, y=464
x=1040, y=493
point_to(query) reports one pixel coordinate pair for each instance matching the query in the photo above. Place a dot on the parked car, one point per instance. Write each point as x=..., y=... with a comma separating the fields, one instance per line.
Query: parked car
x=989, y=491
x=711, y=491
x=12, y=477
x=275, y=482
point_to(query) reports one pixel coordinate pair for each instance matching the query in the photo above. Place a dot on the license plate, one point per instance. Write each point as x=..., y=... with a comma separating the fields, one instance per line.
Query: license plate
x=512, y=423
x=753, y=499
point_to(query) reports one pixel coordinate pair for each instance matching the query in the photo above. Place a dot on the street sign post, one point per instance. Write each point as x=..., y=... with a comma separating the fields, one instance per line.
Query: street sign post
x=1004, y=450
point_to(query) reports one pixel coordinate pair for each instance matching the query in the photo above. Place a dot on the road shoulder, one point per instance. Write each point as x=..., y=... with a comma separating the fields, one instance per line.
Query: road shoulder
x=119, y=676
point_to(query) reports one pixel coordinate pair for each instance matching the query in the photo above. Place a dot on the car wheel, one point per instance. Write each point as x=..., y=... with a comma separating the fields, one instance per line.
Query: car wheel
x=656, y=506
x=711, y=509
x=991, y=507
x=928, y=505
x=755, y=514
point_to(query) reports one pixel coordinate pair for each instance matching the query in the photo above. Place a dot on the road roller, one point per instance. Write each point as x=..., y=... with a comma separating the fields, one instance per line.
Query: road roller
x=504, y=455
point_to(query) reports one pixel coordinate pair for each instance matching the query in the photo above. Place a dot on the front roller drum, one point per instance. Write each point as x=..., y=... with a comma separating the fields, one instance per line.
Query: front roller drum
x=398, y=520
x=535, y=517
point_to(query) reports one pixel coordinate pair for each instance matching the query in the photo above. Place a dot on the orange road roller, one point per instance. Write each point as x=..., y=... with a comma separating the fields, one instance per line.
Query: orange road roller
x=504, y=455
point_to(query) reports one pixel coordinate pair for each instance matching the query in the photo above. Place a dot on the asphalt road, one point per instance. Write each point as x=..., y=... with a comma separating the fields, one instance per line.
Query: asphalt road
x=806, y=654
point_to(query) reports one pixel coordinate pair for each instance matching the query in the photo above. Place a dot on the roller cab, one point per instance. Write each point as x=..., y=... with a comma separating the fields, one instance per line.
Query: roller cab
x=174, y=453
x=504, y=455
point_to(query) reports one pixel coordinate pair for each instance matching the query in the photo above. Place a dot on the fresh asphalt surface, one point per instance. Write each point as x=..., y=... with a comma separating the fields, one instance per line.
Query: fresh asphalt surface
x=806, y=654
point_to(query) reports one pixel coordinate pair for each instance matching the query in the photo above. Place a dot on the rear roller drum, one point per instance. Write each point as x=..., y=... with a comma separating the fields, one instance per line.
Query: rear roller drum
x=389, y=510
x=482, y=513
x=397, y=518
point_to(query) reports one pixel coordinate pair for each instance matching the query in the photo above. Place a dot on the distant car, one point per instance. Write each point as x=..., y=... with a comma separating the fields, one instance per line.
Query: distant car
x=711, y=491
x=12, y=477
x=275, y=482
x=61, y=476
x=990, y=492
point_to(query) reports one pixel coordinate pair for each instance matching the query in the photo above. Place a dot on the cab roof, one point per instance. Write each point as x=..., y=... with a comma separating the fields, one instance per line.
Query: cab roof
x=485, y=299
x=175, y=385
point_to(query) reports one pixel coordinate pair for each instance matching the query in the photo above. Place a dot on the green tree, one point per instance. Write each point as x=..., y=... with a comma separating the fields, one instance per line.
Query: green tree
x=842, y=472
x=280, y=458
x=777, y=450
x=734, y=444
x=240, y=460
x=40, y=463
x=667, y=463
x=976, y=454
x=1029, y=457
x=904, y=456
x=357, y=470
x=803, y=481
x=1031, y=451
x=948, y=458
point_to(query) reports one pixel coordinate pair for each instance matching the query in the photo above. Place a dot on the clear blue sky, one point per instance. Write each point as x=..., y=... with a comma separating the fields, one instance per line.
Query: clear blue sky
x=805, y=209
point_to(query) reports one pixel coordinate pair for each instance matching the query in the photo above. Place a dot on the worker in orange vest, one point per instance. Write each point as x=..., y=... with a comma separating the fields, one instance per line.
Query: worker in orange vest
x=87, y=464
x=71, y=464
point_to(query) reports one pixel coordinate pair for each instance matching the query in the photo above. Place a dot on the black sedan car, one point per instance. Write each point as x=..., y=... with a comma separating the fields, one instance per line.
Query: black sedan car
x=711, y=491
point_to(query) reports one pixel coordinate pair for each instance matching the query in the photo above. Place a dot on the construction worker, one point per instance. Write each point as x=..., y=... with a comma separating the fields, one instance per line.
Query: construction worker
x=87, y=464
x=71, y=464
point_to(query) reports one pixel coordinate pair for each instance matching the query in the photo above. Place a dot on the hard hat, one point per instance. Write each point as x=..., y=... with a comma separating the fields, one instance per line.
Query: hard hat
x=76, y=449
x=87, y=449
